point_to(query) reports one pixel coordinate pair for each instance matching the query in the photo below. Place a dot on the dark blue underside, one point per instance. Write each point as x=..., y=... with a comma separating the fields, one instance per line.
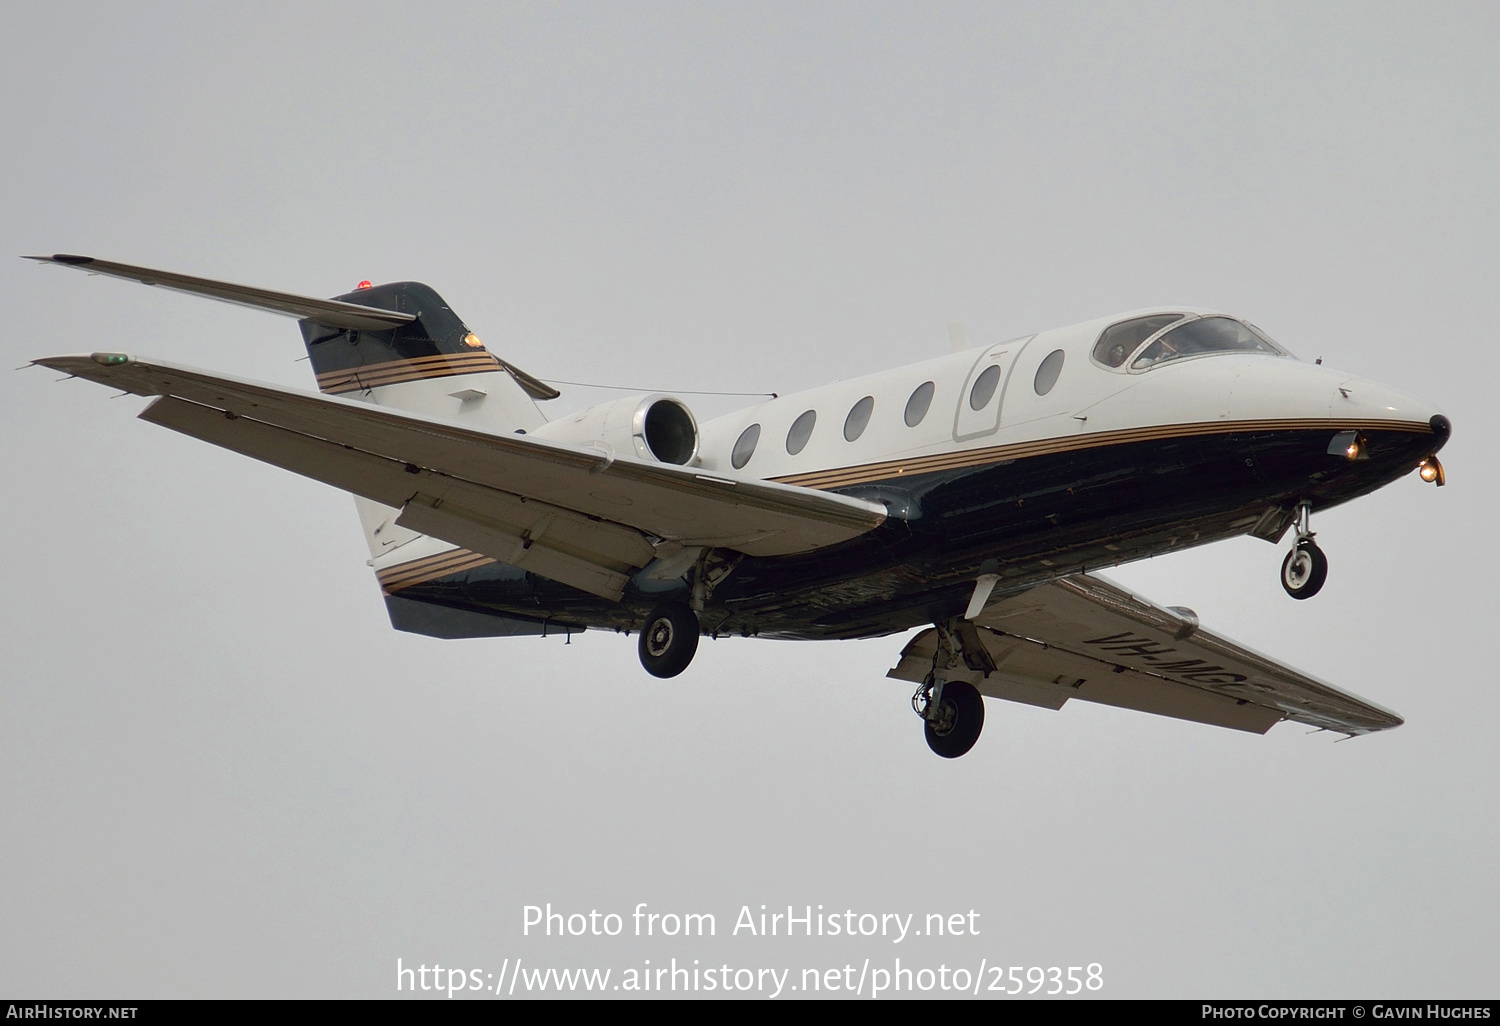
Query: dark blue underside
x=1029, y=521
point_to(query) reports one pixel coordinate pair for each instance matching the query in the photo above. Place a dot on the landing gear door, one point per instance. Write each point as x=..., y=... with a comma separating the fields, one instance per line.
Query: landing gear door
x=983, y=394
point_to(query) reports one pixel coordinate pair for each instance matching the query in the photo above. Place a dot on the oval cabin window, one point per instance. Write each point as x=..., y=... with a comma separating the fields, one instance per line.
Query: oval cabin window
x=802, y=428
x=744, y=446
x=916, y=406
x=859, y=418
x=1046, y=374
x=984, y=388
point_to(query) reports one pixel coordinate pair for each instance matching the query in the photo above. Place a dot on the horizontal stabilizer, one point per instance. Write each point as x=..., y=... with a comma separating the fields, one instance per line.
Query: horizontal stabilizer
x=332, y=312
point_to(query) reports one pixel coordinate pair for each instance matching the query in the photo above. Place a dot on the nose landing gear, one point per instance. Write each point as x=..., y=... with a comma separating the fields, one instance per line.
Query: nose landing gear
x=1305, y=568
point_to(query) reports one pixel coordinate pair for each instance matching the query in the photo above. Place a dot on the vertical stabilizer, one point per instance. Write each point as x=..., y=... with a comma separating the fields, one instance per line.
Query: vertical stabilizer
x=432, y=364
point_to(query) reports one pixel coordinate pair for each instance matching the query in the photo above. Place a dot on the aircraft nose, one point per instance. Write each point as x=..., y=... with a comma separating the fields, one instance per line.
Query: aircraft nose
x=1372, y=399
x=1442, y=427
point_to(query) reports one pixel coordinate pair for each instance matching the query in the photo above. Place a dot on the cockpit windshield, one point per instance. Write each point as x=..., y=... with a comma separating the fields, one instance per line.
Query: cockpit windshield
x=1202, y=336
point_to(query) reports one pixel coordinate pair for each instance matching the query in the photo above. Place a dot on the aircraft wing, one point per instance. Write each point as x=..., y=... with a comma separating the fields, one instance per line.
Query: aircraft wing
x=1087, y=638
x=581, y=516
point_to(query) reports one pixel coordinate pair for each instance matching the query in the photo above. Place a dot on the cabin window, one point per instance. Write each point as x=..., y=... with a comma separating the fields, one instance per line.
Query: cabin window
x=916, y=406
x=859, y=417
x=744, y=446
x=1120, y=340
x=984, y=388
x=802, y=428
x=1046, y=374
x=1201, y=337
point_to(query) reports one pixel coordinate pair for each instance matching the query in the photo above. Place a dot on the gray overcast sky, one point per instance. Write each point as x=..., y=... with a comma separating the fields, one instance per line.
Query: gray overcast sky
x=222, y=774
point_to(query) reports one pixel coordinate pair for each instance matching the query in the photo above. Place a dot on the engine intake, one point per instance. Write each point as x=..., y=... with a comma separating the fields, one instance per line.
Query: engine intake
x=652, y=427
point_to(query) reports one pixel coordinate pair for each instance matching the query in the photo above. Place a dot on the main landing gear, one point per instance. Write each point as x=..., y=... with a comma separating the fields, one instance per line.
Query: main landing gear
x=668, y=640
x=953, y=712
x=1305, y=568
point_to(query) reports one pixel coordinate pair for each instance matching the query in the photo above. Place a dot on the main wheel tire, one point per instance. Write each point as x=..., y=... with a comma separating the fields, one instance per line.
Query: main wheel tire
x=668, y=640
x=1304, y=570
x=960, y=719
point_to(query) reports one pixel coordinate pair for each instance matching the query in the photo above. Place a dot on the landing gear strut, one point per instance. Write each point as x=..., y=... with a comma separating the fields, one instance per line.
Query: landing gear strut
x=669, y=639
x=953, y=712
x=1305, y=567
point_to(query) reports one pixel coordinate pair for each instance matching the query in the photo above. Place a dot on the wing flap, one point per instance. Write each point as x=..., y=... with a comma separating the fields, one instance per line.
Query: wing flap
x=599, y=541
x=593, y=556
x=1035, y=674
x=1087, y=638
x=1096, y=619
x=480, y=533
x=1039, y=690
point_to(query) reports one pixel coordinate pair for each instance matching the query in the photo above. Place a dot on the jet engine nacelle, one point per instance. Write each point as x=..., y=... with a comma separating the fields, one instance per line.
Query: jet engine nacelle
x=652, y=427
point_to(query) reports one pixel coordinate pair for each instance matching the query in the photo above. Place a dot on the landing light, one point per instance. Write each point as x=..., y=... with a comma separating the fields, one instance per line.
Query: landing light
x=1431, y=471
x=472, y=341
x=1348, y=444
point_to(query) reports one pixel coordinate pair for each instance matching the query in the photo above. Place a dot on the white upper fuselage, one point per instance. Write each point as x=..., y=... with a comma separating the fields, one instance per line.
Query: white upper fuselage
x=1086, y=398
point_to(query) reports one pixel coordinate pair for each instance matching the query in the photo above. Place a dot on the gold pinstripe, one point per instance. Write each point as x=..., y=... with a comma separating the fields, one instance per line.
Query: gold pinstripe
x=393, y=372
x=843, y=476
x=428, y=568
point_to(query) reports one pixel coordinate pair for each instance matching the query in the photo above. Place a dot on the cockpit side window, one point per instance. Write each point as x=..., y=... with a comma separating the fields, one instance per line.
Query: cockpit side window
x=1202, y=336
x=1283, y=350
x=1120, y=340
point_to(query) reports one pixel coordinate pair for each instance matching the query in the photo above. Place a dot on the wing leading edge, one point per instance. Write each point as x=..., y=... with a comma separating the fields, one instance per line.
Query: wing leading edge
x=1087, y=638
x=584, y=517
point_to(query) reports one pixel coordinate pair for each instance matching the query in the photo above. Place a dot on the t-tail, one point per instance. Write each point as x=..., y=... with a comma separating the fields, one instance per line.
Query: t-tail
x=397, y=345
x=431, y=363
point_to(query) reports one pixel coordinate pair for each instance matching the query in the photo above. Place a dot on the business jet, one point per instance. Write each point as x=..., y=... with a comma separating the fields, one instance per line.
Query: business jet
x=974, y=495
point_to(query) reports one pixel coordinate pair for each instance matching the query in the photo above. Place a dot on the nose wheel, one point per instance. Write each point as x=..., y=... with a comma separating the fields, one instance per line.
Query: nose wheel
x=669, y=639
x=1305, y=568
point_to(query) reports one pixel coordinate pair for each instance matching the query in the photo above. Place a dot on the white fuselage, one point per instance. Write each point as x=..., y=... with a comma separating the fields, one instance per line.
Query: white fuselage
x=1086, y=399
